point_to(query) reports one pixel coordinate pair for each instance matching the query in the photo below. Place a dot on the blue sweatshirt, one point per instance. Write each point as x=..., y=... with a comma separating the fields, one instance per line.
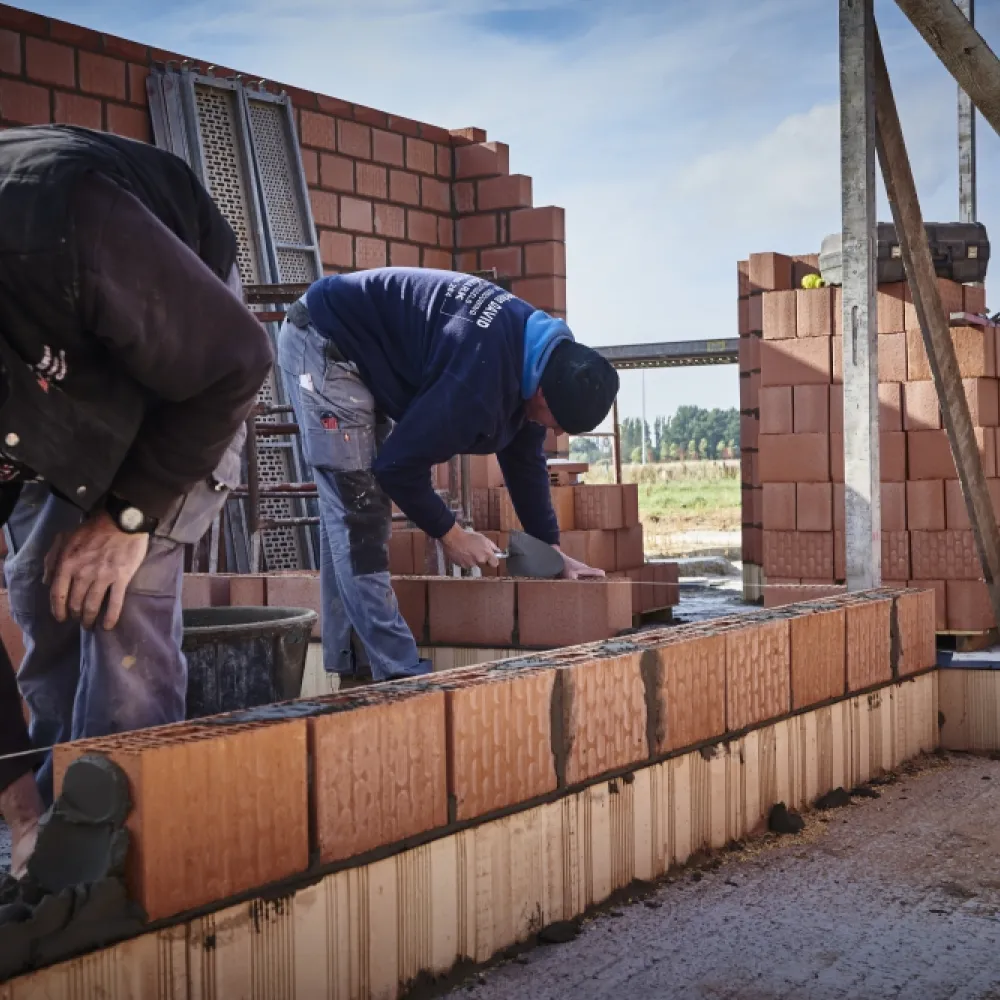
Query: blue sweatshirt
x=451, y=359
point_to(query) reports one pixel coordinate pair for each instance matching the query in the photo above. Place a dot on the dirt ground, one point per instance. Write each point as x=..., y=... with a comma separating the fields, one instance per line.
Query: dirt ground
x=894, y=897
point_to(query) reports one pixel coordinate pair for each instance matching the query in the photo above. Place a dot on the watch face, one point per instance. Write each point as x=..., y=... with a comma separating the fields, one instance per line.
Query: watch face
x=131, y=519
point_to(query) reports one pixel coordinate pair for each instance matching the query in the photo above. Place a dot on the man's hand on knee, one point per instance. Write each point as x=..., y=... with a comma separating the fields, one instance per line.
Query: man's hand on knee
x=95, y=561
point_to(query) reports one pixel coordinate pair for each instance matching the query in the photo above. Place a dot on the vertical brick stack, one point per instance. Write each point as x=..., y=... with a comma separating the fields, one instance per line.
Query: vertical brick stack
x=762, y=273
x=926, y=536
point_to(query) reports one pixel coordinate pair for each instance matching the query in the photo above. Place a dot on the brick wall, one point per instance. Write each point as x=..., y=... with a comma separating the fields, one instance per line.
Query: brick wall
x=384, y=189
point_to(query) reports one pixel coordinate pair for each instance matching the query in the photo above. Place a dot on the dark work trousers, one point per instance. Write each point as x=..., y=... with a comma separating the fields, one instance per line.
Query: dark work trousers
x=80, y=683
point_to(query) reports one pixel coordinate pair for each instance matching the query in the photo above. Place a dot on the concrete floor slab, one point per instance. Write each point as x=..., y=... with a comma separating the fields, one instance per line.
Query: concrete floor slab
x=895, y=897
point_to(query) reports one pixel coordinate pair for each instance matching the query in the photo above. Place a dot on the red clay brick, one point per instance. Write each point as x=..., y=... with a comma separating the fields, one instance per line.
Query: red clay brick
x=779, y=315
x=814, y=506
x=387, y=147
x=126, y=49
x=956, y=514
x=296, y=590
x=974, y=299
x=814, y=312
x=795, y=362
x=137, y=77
x=868, y=643
x=799, y=554
x=895, y=555
x=469, y=612
x=248, y=591
x=404, y=187
x=310, y=166
x=951, y=299
x=598, y=506
x=443, y=159
x=336, y=172
x=103, y=75
x=74, y=109
x=446, y=232
x=554, y=613
x=421, y=227
x=930, y=454
x=915, y=623
x=511, y=191
x=984, y=404
x=749, y=431
x=380, y=774
x=390, y=220
x=356, y=215
x=968, y=606
x=401, y=554
x=132, y=123
x=507, y=260
x=10, y=52
x=689, y=691
x=371, y=180
x=545, y=258
x=758, y=673
x=336, y=249
x=24, y=104
x=818, y=653
x=975, y=348
x=604, y=716
x=776, y=410
x=790, y=458
x=755, y=314
x=500, y=741
x=435, y=194
x=420, y=156
x=921, y=411
x=892, y=457
x=465, y=197
x=334, y=106
x=891, y=357
x=811, y=409
x=484, y=159
x=630, y=504
x=372, y=116
x=779, y=506
x=216, y=810
x=370, y=252
x=543, y=293
x=47, y=62
x=890, y=410
x=205, y=590
x=925, y=507
x=940, y=600
x=944, y=555
x=354, y=139
x=318, y=130
x=324, y=206
x=538, y=225
x=438, y=259
x=476, y=231
x=629, y=548
x=411, y=599
x=889, y=305
x=770, y=272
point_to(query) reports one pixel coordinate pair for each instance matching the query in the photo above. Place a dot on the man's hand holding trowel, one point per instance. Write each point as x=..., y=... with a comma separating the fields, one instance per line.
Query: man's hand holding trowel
x=525, y=555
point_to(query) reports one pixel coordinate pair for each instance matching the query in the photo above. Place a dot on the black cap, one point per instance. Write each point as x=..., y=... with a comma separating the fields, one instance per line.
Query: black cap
x=579, y=387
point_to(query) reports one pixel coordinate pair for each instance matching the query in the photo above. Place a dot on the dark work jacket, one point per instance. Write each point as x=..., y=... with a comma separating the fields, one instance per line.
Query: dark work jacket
x=443, y=355
x=68, y=410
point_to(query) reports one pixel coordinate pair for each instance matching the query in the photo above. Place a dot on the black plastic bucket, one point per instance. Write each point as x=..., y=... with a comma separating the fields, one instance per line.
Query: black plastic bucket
x=243, y=657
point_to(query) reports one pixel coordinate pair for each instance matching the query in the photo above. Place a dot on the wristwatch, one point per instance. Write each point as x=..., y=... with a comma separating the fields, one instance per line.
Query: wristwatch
x=128, y=518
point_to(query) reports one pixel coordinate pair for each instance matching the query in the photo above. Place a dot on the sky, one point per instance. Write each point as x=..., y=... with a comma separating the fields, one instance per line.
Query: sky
x=680, y=137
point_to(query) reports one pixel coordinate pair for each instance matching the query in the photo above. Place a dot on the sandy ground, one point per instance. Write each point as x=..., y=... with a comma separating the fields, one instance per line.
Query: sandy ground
x=895, y=897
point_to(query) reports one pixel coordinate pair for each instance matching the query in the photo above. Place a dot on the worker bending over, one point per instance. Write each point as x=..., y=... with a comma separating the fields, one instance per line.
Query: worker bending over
x=461, y=367
x=128, y=369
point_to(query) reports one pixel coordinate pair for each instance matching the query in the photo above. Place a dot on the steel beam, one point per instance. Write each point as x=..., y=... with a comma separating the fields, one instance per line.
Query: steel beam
x=862, y=514
x=966, y=138
x=673, y=354
x=962, y=50
x=934, y=326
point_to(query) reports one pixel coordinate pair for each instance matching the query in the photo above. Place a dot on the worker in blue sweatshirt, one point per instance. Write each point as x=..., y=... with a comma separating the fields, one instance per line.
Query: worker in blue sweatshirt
x=459, y=366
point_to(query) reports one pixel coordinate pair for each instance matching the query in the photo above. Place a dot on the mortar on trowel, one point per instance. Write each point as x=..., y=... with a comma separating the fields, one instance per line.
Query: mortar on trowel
x=527, y=556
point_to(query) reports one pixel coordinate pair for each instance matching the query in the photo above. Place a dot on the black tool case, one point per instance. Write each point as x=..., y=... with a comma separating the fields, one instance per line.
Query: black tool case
x=961, y=252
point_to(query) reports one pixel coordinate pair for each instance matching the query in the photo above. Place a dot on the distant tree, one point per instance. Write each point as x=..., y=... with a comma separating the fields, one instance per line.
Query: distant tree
x=692, y=449
x=721, y=450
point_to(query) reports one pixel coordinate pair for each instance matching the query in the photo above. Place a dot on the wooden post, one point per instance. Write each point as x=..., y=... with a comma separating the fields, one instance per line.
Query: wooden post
x=934, y=326
x=862, y=478
x=962, y=50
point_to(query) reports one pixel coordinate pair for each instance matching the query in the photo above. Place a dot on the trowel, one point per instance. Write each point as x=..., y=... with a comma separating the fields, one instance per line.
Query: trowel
x=527, y=556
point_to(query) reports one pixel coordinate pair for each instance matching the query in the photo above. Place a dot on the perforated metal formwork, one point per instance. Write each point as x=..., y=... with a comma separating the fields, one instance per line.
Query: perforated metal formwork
x=245, y=150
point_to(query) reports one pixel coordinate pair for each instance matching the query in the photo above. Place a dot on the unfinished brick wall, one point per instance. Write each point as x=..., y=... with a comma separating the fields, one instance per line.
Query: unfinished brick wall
x=796, y=496
x=384, y=188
